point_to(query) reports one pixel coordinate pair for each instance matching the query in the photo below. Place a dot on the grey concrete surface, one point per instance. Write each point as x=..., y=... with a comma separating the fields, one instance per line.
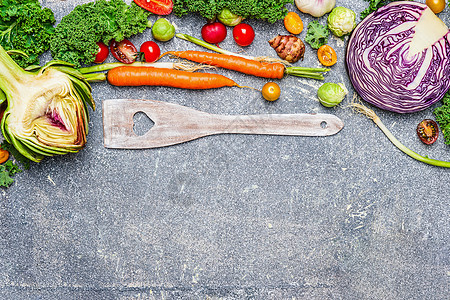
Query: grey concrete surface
x=233, y=216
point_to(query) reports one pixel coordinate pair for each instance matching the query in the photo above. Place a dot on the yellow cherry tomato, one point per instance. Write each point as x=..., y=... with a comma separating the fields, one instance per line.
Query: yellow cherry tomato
x=327, y=56
x=436, y=5
x=293, y=23
x=271, y=91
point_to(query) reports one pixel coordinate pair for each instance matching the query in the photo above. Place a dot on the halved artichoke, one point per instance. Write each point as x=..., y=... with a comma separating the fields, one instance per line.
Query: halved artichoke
x=46, y=111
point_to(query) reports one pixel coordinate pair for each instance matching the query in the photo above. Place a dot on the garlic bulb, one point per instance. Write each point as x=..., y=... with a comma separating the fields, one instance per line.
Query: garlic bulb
x=315, y=8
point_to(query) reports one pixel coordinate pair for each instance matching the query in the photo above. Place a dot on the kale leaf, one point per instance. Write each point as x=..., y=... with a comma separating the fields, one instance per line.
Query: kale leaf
x=442, y=114
x=269, y=10
x=27, y=27
x=317, y=35
x=76, y=36
x=7, y=170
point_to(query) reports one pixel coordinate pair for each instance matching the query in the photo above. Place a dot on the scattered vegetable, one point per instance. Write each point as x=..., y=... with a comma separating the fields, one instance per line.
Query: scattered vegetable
x=293, y=23
x=139, y=76
x=47, y=108
x=163, y=30
x=7, y=171
x=4, y=155
x=16, y=154
x=436, y=6
x=402, y=68
x=371, y=115
x=288, y=47
x=331, y=94
x=124, y=51
x=269, y=10
x=228, y=18
x=150, y=50
x=248, y=66
x=158, y=7
x=25, y=26
x=214, y=33
x=243, y=34
x=341, y=21
x=102, y=53
x=427, y=131
x=442, y=114
x=317, y=35
x=76, y=36
x=315, y=8
x=271, y=91
x=373, y=6
x=326, y=55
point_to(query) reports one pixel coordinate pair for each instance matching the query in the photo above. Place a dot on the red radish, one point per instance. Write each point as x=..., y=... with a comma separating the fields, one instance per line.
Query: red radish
x=214, y=32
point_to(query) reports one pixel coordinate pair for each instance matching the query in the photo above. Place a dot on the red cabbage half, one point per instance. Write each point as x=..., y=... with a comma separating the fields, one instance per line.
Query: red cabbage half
x=398, y=58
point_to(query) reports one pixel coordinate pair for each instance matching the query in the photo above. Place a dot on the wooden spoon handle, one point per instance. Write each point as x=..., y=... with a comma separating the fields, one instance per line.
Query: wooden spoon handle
x=277, y=124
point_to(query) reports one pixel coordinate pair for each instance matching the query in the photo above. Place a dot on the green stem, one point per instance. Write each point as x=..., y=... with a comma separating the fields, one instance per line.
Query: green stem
x=208, y=45
x=404, y=149
x=11, y=74
x=314, y=73
x=109, y=66
x=95, y=77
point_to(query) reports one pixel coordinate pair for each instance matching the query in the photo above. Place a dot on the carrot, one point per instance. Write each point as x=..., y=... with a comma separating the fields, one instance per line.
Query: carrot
x=138, y=76
x=235, y=63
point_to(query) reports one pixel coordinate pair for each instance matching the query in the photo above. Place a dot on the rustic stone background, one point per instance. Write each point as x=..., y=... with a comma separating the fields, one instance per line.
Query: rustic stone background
x=233, y=216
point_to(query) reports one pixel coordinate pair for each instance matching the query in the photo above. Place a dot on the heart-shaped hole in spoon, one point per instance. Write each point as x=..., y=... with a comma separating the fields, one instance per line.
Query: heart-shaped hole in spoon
x=141, y=123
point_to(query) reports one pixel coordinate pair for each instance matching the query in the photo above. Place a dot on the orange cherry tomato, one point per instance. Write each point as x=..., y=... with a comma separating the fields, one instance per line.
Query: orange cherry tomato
x=436, y=5
x=4, y=155
x=327, y=56
x=293, y=23
x=271, y=91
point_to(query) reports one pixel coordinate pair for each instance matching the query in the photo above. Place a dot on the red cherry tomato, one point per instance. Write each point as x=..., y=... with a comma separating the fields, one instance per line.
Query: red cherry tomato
x=150, y=50
x=214, y=33
x=124, y=51
x=102, y=53
x=243, y=34
x=428, y=131
x=158, y=7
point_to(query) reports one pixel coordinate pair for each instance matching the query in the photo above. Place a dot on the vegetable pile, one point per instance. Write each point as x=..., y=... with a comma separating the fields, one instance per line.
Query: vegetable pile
x=398, y=58
x=76, y=36
x=269, y=10
x=25, y=26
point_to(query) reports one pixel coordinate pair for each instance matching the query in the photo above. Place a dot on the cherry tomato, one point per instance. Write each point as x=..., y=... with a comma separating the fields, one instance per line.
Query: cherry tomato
x=293, y=23
x=102, y=53
x=271, y=91
x=150, y=50
x=428, y=131
x=124, y=51
x=158, y=7
x=436, y=5
x=243, y=34
x=327, y=56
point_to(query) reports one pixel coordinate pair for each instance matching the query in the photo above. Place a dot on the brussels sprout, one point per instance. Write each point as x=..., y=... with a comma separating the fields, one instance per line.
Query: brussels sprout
x=341, y=21
x=226, y=17
x=163, y=30
x=331, y=94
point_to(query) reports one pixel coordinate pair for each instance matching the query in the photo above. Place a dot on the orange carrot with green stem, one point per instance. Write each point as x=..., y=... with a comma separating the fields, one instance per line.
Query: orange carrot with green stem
x=139, y=76
x=257, y=66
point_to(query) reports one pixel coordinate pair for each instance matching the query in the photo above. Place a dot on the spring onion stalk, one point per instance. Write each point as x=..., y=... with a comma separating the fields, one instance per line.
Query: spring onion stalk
x=209, y=46
x=371, y=115
x=47, y=107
